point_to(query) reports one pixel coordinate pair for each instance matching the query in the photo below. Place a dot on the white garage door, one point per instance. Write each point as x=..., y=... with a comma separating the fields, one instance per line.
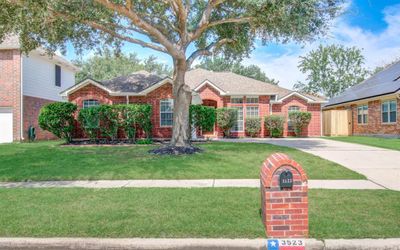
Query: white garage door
x=6, y=125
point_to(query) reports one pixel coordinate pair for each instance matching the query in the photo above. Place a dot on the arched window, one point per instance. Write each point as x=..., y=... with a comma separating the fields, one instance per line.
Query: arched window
x=291, y=109
x=90, y=103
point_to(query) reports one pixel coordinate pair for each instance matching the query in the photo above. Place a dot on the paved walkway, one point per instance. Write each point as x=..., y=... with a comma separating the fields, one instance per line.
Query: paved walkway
x=379, y=165
x=208, y=183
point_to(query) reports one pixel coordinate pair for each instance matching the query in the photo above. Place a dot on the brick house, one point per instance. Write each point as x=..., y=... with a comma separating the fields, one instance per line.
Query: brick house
x=252, y=98
x=27, y=82
x=372, y=106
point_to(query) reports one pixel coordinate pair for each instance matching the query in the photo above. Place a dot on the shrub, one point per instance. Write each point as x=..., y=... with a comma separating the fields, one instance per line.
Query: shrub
x=299, y=120
x=274, y=124
x=109, y=123
x=58, y=118
x=202, y=117
x=253, y=126
x=134, y=116
x=89, y=119
x=226, y=118
x=145, y=141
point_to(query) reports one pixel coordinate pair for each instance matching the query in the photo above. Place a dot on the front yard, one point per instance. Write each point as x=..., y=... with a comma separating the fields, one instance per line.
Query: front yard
x=205, y=212
x=389, y=143
x=50, y=161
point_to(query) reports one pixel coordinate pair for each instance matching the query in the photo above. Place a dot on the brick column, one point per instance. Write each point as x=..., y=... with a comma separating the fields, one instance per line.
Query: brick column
x=284, y=209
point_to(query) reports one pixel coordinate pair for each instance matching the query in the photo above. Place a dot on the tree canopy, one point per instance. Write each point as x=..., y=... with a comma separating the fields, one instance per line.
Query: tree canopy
x=331, y=69
x=107, y=65
x=230, y=28
x=221, y=64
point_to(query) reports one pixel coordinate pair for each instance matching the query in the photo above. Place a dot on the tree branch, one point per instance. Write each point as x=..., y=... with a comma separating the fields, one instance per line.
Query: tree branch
x=207, y=50
x=142, y=24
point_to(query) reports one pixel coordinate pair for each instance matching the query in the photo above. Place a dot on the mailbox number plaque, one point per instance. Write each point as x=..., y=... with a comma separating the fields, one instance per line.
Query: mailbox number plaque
x=286, y=179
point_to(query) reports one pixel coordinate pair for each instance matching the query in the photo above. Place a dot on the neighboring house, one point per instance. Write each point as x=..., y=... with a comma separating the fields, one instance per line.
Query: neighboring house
x=372, y=106
x=252, y=98
x=26, y=84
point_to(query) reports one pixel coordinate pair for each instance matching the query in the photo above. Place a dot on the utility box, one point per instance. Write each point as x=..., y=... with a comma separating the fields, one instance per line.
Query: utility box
x=284, y=198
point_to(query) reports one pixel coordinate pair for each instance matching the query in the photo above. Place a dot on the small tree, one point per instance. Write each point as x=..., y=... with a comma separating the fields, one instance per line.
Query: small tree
x=226, y=119
x=58, y=118
x=108, y=116
x=299, y=120
x=274, y=124
x=253, y=126
x=89, y=119
x=202, y=117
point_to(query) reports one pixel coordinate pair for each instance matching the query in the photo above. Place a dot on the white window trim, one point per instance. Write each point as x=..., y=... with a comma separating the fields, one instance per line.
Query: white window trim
x=258, y=113
x=233, y=129
x=253, y=103
x=389, y=122
x=167, y=126
x=91, y=105
x=237, y=97
x=362, y=114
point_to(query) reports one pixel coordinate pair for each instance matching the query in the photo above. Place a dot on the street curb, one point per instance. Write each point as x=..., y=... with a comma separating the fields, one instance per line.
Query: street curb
x=189, y=244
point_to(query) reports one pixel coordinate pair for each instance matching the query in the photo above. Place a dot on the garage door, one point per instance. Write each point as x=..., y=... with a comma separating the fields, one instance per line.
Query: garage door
x=6, y=125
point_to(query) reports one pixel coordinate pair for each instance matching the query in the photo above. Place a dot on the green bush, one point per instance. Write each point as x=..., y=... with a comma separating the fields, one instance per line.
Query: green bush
x=299, y=120
x=145, y=141
x=226, y=118
x=89, y=119
x=253, y=126
x=133, y=116
x=58, y=118
x=274, y=124
x=202, y=117
x=109, y=123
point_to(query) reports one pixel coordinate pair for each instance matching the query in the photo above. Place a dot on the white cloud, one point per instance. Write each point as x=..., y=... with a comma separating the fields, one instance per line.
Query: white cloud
x=378, y=48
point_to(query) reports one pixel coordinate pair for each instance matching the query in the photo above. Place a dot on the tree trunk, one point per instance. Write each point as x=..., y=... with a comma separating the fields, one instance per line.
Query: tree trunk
x=182, y=99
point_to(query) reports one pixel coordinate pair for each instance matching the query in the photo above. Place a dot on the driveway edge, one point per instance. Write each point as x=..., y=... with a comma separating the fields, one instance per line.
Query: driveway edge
x=187, y=243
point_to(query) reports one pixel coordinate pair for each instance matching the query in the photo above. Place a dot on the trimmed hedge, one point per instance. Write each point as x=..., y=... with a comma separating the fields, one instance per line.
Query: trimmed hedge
x=274, y=124
x=58, y=118
x=226, y=118
x=253, y=126
x=299, y=120
x=107, y=119
x=202, y=117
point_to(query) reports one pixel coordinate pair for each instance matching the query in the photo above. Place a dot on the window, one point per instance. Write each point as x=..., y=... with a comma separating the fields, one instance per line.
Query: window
x=252, y=112
x=166, y=112
x=290, y=125
x=362, y=114
x=238, y=127
x=237, y=100
x=58, y=76
x=389, y=111
x=90, y=103
x=252, y=100
x=272, y=97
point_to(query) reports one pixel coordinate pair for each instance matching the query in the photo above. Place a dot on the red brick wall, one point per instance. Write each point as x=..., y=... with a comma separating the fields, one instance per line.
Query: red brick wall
x=10, y=86
x=32, y=106
x=284, y=210
x=153, y=98
x=375, y=125
x=314, y=128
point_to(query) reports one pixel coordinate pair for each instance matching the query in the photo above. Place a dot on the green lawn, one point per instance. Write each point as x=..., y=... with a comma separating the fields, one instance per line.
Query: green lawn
x=218, y=212
x=50, y=161
x=389, y=143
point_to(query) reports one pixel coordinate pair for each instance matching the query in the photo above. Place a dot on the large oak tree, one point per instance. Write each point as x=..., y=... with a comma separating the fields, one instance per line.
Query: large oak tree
x=228, y=27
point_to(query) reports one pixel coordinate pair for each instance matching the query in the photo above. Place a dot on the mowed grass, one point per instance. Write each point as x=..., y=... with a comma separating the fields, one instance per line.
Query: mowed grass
x=50, y=161
x=389, y=143
x=208, y=212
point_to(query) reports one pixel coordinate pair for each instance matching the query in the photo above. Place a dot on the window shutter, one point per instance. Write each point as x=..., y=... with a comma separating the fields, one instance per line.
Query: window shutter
x=58, y=76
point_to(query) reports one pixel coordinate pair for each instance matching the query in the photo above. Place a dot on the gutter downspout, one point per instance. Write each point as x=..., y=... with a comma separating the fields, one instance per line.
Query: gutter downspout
x=127, y=99
x=22, y=99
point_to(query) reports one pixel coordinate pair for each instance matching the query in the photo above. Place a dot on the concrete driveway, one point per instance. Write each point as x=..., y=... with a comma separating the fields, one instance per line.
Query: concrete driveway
x=379, y=165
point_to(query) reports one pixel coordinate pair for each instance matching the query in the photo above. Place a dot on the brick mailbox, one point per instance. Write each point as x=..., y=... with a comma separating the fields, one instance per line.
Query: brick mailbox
x=284, y=198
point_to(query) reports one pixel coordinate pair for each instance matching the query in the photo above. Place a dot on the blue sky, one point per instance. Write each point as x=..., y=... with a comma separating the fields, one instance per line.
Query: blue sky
x=371, y=25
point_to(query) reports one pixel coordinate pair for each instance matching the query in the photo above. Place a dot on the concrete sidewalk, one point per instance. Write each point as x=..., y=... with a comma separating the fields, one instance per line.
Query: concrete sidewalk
x=207, y=183
x=379, y=165
x=187, y=244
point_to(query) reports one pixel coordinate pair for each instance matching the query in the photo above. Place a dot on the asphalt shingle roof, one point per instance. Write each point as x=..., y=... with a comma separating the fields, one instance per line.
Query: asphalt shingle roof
x=134, y=83
x=384, y=82
x=234, y=84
